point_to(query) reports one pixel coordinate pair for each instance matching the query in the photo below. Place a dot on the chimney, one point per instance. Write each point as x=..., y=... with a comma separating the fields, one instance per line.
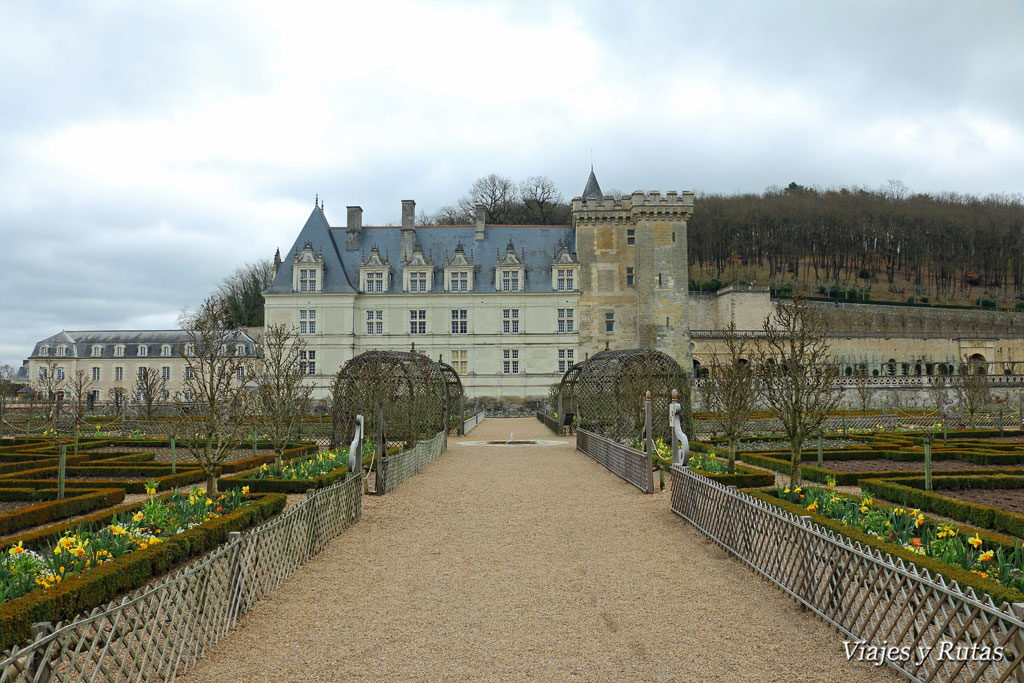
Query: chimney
x=408, y=229
x=355, y=227
x=481, y=217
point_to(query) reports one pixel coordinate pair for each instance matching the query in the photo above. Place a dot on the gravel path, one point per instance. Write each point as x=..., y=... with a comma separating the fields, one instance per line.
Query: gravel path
x=526, y=563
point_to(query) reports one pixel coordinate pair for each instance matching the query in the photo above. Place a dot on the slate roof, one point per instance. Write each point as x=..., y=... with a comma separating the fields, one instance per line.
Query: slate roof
x=592, y=190
x=80, y=343
x=341, y=267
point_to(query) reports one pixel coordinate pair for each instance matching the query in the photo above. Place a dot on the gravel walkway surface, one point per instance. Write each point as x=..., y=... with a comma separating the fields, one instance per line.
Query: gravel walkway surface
x=526, y=563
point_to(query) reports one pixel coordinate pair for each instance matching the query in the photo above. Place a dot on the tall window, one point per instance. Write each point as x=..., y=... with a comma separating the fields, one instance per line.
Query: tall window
x=375, y=322
x=565, y=280
x=140, y=372
x=510, y=361
x=565, y=321
x=417, y=282
x=60, y=374
x=240, y=374
x=510, y=280
x=165, y=350
x=44, y=350
x=119, y=351
x=143, y=350
x=510, y=320
x=630, y=236
x=62, y=350
x=459, y=362
x=609, y=322
x=118, y=374
x=375, y=282
x=630, y=277
x=460, y=321
x=95, y=374
x=307, y=280
x=189, y=374
x=42, y=373
x=165, y=373
x=307, y=321
x=307, y=362
x=459, y=282
x=190, y=350
x=97, y=350
x=565, y=360
x=417, y=321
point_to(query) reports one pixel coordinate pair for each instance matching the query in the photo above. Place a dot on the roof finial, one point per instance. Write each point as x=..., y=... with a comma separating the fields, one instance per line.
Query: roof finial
x=316, y=200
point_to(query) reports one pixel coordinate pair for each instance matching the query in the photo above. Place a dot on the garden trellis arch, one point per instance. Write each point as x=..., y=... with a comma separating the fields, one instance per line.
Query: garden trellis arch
x=606, y=392
x=415, y=392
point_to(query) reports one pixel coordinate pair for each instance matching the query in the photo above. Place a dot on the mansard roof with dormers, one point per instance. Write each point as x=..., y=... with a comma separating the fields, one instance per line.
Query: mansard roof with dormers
x=533, y=246
x=79, y=343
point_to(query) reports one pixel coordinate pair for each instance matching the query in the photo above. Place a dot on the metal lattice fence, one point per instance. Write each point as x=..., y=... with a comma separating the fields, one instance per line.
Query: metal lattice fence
x=861, y=591
x=606, y=392
x=628, y=463
x=401, y=466
x=161, y=631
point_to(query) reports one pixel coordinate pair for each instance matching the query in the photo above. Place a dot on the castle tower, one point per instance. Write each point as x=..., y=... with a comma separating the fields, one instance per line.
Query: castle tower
x=634, y=276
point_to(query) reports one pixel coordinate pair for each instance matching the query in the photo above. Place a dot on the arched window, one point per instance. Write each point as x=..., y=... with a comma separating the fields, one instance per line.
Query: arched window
x=62, y=350
x=165, y=350
x=44, y=350
x=97, y=350
x=143, y=350
x=119, y=351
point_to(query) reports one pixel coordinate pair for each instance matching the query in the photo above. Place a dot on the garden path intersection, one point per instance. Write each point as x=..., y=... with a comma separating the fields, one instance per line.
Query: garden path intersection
x=531, y=563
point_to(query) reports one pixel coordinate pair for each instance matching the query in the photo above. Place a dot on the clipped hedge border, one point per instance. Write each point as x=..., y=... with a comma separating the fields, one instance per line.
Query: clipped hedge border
x=54, y=508
x=909, y=491
x=744, y=478
x=250, y=463
x=107, y=581
x=166, y=482
x=283, y=485
x=821, y=474
x=964, y=578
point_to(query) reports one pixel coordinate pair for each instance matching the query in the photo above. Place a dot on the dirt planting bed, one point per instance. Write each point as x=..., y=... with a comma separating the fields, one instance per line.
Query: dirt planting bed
x=883, y=465
x=1011, y=500
x=183, y=454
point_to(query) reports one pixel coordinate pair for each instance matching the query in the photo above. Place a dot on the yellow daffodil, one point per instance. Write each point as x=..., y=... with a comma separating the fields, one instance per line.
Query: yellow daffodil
x=975, y=541
x=986, y=556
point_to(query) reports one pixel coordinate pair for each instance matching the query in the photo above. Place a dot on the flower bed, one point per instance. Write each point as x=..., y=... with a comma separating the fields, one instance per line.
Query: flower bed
x=910, y=491
x=988, y=562
x=298, y=476
x=704, y=460
x=104, y=534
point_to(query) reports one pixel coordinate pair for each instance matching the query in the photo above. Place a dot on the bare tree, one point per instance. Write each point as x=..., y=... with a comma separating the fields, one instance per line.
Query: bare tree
x=862, y=385
x=731, y=390
x=281, y=395
x=242, y=293
x=543, y=202
x=48, y=384
x=938, y=391
x=798, y=386
x=150, y=388
x=8, y=391
x=118, y=397
x=973, y=389
x=213, y=409
x=499, y=194
x=78, y=390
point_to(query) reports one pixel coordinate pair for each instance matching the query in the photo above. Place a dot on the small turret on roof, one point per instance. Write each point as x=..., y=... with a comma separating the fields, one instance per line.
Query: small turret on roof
x=593, y=189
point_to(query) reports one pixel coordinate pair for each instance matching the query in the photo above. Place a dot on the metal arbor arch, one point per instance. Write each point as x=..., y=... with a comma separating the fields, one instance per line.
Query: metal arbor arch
x=453, y=391
x=412, y=389
x=606, y=392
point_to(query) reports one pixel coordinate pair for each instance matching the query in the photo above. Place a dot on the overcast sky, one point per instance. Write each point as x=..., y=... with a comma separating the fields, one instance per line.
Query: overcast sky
x=147, y=149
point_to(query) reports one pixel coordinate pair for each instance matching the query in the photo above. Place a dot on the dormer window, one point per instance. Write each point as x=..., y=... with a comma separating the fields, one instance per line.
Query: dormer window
x=119, y=351
x=510, y=271
x=419, y=272
x=44, y=350
x=165, y=350
x=190, y=350
x=62, y=350
x=375, y=273
x=142, y=350
x=458, y=271
x=97, y=350
x=563, y=271
x=240, y=350
x=307, y=270
x=510, y=280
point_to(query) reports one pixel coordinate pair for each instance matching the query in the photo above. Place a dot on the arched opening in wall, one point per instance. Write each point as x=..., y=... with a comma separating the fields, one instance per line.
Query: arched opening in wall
x=918, y=368
x=848, y=371
x=929, y=369
x=905, y=368
x=892, y=366
x=978, y=363
x=743, y=361
x=699, y=370
x=943, y=369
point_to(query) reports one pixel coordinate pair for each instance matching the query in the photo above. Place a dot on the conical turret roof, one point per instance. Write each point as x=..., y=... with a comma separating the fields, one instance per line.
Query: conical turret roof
x=593, y=189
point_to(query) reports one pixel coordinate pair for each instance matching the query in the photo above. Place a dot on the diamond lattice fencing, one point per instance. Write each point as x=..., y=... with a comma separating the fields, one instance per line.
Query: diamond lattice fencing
x=861, y=591
x=161, y=631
